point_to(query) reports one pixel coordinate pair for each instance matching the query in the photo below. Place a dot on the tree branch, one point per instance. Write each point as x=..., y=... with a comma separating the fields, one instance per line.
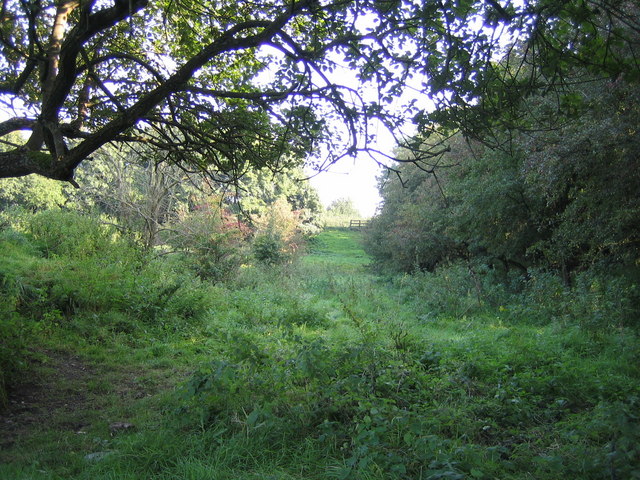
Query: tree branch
x=15, y=124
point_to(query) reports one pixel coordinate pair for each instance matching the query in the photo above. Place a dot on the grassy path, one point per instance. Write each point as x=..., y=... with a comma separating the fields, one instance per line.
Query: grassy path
x=340, y=249
x=321, y=370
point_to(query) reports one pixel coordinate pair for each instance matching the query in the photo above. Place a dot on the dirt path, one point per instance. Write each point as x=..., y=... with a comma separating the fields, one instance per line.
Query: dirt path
x=57, y=391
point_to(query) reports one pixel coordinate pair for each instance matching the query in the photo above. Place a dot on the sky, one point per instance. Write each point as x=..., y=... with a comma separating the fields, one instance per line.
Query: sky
x=350, y=178
x=356, y=179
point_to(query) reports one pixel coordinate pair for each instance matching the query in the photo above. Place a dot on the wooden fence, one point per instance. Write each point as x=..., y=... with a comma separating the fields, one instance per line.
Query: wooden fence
x=357, y=223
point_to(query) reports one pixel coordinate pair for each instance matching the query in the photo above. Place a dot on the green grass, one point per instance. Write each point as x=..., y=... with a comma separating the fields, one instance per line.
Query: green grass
x=338, y=248
x=321, y=370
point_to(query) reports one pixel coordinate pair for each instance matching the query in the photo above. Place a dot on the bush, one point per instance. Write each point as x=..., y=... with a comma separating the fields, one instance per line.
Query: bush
x=278, y=236
x=170, y=300
x=454, y=290
x=74, y=275
x=593, y=301
x=90, y=269
x=212, y=240
x=269, y=249
x=605, y=302
x=70, y=234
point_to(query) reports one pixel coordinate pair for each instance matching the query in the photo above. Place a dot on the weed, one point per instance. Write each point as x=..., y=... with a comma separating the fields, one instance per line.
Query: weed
x=320, y=370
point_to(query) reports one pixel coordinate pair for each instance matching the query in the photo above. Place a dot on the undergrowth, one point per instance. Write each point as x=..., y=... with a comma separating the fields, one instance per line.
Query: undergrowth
x=319, y=369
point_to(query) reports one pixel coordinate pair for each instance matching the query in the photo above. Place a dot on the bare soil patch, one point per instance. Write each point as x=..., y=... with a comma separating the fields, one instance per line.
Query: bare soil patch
x=56, y=391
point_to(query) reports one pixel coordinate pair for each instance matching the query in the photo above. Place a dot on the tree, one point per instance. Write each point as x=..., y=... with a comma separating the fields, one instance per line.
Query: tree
x=553, y=47
x=135, y=188
x=343, y=207
x=413, y=228
x=564, y=199
x=33, y=193
x=226, y=86
x=258, y=190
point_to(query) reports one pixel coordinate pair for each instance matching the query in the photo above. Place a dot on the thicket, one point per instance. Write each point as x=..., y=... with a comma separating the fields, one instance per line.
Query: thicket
x=65, y=272
x=511, y=350
x=552, y=215
x=310, y=372
x=316, y=369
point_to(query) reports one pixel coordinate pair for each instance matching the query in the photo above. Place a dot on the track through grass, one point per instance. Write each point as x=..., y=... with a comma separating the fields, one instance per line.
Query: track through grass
x=321, y=369
x=340, y=249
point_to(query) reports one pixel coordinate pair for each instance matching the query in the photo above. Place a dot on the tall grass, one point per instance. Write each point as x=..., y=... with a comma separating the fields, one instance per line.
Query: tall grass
x=319, y=369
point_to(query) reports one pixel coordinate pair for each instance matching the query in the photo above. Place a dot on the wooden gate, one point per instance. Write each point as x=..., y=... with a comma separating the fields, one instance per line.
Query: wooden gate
x=357, y=223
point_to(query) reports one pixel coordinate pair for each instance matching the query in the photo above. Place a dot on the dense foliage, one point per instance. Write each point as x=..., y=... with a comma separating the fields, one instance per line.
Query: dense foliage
x=564, y=199
x=228, y=86
x=160, y=324
x=312, y=370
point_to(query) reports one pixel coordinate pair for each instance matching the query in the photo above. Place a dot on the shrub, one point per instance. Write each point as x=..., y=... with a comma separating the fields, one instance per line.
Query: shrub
x=212, y=239
x=454, y=290
x=70, y=234
x=593, y=301
x=269, y=249
x=605, y=302
x=170, y=300
x=278, y=236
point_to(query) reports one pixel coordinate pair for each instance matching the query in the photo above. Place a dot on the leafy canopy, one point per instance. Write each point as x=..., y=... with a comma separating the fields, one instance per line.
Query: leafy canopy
x=225, y=86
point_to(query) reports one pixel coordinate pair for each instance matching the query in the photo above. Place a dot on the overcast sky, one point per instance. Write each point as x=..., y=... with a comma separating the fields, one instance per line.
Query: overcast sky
x=354, y=179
